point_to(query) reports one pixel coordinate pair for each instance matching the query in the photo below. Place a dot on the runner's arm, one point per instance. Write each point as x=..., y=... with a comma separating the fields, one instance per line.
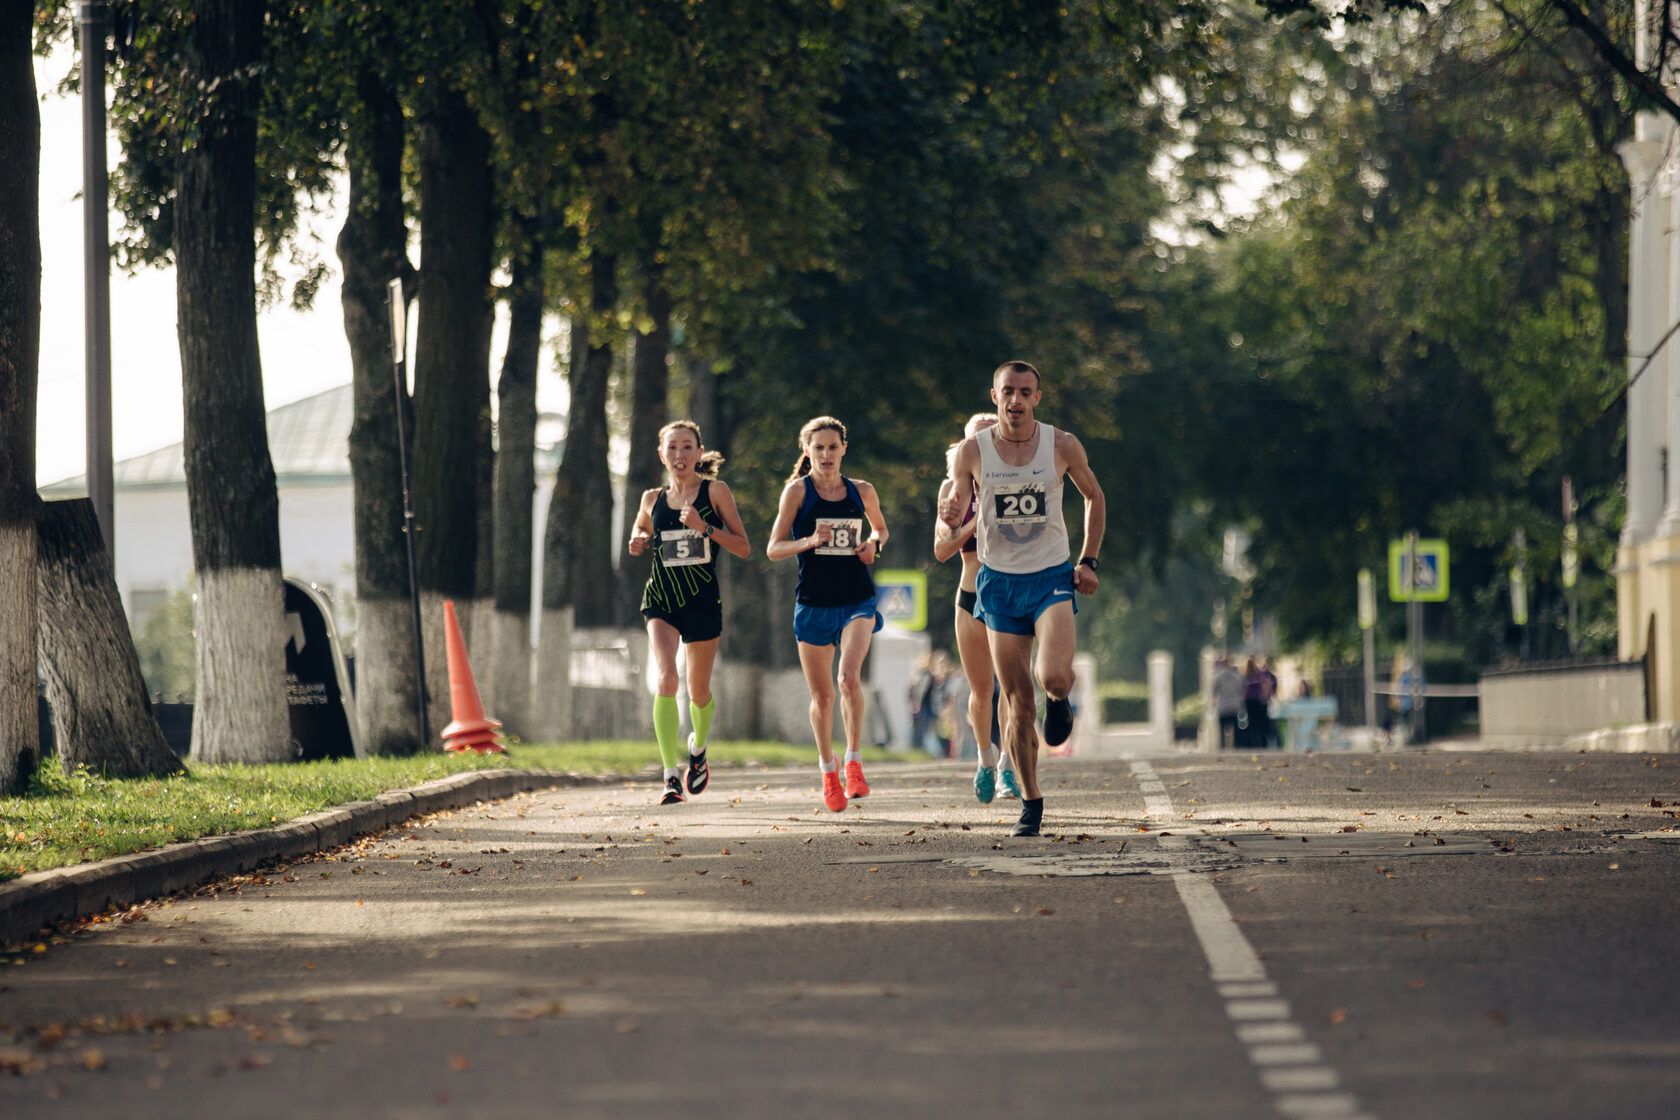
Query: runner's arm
x=1096, y=508
x=732, y=538
x=947, y=542
x=642, y=532
x=779, y=547
x=871, y=548
x=965, y=479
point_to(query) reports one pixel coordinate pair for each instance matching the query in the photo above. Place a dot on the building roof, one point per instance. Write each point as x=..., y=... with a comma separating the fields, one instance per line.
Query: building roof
x=307, y=440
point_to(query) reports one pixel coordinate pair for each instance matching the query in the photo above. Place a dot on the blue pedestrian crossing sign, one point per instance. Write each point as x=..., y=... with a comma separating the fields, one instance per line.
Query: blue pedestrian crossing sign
x=901, y=597
x=1426, y=585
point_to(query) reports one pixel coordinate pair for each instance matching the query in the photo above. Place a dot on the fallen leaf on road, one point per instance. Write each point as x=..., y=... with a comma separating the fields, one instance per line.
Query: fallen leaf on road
x=460, y=1063
x=1044, y=911
x=1416, y=982
x=638, y=891
x=1338, y=1015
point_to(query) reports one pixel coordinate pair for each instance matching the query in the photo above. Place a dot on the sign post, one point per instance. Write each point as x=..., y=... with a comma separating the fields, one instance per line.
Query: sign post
x=1367, y=622
x=1417, y=574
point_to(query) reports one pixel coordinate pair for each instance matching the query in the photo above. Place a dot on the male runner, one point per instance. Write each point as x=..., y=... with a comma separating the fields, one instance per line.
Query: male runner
x=1026, y=584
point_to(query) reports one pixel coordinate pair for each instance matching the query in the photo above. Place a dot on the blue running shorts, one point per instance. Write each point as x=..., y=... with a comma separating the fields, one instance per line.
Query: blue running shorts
x=821, y=626
x=1011, y=604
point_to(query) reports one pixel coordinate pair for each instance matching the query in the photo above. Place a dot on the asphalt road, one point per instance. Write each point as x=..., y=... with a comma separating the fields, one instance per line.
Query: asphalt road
x=1396, y=935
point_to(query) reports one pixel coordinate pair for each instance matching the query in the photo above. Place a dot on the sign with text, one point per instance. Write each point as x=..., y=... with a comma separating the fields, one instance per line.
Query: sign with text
x=318, y=695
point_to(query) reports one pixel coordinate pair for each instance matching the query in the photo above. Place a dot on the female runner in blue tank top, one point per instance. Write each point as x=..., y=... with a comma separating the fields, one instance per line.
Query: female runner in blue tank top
x=682, y=522
x=833, y=524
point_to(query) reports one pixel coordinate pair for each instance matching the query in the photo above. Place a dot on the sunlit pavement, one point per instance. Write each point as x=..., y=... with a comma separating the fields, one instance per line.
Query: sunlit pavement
x=1396, y=934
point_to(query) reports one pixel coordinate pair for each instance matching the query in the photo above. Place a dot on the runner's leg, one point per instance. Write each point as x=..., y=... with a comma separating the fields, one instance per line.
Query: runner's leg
x=1012, y=660
x=818, y=663
x=854, y=645
x=663, y=640
x=1056, y=640
x=701, y=657
x=976, y=659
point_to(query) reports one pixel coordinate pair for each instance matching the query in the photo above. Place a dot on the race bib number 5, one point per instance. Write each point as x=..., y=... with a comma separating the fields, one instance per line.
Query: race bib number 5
x=681, y=547
x=1020, y=504
x=847, y=538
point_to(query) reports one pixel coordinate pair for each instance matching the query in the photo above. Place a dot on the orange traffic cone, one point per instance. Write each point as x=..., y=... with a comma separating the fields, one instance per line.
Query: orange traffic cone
x=471, y=729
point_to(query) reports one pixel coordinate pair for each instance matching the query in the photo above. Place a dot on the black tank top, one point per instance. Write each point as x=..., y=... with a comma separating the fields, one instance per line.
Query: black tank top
x=684, y=562
x=833, y=576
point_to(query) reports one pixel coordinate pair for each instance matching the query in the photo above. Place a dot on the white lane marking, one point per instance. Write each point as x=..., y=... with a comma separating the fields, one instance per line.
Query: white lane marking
x=1252, y=1033
x=1299, y=1078
x=1321, y=1106
x=1256, y=988
x=1289, y=1067
x=1288, y=1054
x=1247, y=1010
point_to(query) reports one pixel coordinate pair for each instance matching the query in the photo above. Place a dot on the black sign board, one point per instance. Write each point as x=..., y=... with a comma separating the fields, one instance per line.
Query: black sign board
x=317, y=684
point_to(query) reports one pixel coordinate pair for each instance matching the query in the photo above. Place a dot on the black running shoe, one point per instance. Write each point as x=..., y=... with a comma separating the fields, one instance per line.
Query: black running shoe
x=673, y=791
x=699, y=774
x=1032, y=815
x=1058, y=722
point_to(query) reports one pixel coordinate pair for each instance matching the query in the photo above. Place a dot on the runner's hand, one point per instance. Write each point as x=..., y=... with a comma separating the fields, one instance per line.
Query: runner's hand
x=822, y=535
x=1084, y=580
x=867, y=551
x=639, y=541
x=692, y=519
x=951, y=509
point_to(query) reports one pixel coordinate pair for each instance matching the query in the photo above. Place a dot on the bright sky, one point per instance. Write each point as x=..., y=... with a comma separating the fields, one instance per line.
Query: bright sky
x=301, y=354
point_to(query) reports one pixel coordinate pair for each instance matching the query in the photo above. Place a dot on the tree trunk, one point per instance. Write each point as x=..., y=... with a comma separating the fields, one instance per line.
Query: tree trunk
x=516, y=431
x=452, y=362
x=20, y=352
x=373, y=251
x=102, y=718
x=240, y=714
x=578, y=543
x=650, y=382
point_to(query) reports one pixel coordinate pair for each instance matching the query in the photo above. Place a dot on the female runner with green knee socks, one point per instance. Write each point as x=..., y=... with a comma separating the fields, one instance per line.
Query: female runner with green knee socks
x=680, y=523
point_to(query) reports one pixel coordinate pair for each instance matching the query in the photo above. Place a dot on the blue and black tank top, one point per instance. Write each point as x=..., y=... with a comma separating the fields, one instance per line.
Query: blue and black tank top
x=833, y=576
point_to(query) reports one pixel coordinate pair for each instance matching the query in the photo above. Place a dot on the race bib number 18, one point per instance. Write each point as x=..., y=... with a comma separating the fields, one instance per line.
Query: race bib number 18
x=1020, y=504
x=847, y=538
x=681, y=547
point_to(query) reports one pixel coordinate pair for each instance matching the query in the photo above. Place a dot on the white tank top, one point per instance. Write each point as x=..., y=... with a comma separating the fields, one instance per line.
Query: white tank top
x=1021, y=527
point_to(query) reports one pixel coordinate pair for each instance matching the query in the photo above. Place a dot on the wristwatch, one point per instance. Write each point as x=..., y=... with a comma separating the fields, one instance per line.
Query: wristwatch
x=1089, y=562
x=710, y=529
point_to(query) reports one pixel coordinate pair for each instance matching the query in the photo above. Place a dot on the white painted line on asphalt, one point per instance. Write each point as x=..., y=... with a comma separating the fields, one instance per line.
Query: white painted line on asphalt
x=1321, y=1106
x=1250, y=989
x=1289, y=1054
x=1299, y=1078
x=1248, y=1010
x=1252, y=1033
x=1288, y=1066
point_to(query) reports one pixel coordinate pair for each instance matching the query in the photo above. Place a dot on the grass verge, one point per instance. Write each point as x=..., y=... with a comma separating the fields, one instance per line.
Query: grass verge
x=70, y=818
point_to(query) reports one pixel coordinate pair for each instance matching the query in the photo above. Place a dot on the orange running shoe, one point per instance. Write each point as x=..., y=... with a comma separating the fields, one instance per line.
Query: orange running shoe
x=833, y=796
x=855, y=785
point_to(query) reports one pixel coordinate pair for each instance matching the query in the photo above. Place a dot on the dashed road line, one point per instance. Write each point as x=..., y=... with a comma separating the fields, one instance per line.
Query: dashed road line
x=1293, y=1070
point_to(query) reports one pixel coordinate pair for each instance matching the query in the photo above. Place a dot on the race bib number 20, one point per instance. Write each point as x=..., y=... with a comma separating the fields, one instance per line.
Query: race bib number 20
x=847, y=538
x=1020, y=504
x=681, y=547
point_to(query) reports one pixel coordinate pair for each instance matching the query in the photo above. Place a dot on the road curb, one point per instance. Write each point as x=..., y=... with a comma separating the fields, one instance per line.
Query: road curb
x=46, y=898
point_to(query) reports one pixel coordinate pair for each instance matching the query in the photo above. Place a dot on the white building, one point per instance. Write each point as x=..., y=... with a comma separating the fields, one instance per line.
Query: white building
x=309, y=443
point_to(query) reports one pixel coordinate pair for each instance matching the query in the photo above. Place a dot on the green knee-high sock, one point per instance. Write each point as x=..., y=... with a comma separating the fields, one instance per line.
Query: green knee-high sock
x=665, y=730
x=702, y=719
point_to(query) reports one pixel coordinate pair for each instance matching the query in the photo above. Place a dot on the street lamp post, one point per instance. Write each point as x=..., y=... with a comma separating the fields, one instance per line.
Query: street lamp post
x=96, y=254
